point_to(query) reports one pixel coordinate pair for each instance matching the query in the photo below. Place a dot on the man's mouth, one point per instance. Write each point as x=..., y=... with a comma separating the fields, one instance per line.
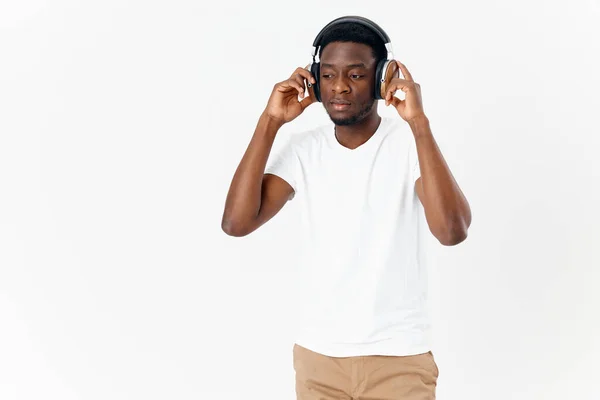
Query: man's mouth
x=340, y=105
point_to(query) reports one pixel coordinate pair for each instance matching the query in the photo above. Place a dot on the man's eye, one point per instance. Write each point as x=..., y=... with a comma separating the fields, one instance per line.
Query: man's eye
x=353, y=76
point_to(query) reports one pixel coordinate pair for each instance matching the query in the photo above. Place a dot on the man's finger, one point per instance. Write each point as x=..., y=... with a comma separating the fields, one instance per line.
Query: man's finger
x=396, y=101
x=298, y=78
x=305, y=74
x=393, y=100
x=396, y=84
x=291, y=84
x=405, y=72
x=307, y=102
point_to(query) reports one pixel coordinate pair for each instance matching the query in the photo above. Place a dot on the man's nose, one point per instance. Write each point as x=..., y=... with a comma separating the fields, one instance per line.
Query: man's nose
x=340, y=84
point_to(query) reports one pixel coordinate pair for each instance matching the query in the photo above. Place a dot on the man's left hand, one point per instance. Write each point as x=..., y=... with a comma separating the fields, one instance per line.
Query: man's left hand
x=412, y=106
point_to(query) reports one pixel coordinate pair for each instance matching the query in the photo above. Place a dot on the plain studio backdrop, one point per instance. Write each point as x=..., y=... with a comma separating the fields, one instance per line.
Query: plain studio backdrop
x=122, y=123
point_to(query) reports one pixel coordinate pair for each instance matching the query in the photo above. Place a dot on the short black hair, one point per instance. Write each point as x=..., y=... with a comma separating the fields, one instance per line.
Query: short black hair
x=356, y=33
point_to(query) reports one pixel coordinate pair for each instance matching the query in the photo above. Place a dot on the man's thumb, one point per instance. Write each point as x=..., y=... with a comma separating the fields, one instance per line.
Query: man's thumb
x=307, y=101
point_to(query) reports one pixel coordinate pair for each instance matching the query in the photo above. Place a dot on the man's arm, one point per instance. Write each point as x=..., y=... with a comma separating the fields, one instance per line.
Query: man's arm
x=446, y=209
x=254, y=197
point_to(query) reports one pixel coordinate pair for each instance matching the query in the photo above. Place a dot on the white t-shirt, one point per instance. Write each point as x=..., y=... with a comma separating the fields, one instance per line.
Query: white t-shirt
x=362, y=281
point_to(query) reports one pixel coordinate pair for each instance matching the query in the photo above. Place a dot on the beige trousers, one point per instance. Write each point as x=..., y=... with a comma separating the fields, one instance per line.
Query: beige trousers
x=320, y=377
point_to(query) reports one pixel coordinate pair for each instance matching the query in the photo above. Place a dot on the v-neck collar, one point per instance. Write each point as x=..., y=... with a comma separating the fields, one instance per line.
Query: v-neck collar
x=341, y=148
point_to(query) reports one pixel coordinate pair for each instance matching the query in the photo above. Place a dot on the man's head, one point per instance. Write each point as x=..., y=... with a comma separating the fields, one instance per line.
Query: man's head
x=348, y=58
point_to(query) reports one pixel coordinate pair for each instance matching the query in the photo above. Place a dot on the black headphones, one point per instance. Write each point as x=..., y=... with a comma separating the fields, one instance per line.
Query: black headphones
x=386, y=69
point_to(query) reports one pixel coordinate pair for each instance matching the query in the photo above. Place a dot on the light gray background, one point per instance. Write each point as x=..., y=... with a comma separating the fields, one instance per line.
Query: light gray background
x=122, y=123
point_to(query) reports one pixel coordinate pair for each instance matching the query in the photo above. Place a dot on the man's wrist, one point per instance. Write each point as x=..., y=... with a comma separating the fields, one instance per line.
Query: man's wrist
x=419, y=125
x=271, y=121
x=269, y=125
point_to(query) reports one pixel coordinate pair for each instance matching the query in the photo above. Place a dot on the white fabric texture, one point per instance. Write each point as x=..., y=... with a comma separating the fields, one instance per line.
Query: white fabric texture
x=362, y=275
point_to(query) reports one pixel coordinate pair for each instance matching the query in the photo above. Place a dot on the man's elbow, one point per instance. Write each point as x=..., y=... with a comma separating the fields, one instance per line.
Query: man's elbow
x=454, y=239
x=455, y=234
x=233, y=229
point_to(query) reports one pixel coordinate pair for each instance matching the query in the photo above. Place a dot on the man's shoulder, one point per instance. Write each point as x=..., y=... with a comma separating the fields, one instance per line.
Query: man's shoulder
x=395, y=126
x=397, y=134
x=308, y=138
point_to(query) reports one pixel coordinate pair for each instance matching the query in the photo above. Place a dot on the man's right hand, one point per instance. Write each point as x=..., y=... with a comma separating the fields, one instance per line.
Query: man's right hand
x=283, y=105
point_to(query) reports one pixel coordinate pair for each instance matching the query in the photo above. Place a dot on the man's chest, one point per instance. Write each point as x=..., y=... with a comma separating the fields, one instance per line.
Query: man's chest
x=340, y=191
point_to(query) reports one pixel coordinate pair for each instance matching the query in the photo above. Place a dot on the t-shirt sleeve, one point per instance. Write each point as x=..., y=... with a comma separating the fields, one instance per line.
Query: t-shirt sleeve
x=285, y=164
x=413, y=159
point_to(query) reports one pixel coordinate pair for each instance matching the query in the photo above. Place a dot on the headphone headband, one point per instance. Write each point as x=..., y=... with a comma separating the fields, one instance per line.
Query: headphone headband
x=356, y=19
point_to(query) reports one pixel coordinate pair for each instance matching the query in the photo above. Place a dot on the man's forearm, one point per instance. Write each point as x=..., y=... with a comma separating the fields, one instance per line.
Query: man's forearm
x=244, y=196
x=446, y=208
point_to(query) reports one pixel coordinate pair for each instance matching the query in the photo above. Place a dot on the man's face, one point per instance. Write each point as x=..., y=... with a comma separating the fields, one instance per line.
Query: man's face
x=347, y=75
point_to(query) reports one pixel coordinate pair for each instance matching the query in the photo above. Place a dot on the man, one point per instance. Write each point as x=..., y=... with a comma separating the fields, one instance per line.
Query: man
x=370, y=189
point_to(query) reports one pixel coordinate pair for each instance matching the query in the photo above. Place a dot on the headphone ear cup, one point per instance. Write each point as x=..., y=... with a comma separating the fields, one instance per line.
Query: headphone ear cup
x=378, y=76
x=386, y=71
x=314, y=70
